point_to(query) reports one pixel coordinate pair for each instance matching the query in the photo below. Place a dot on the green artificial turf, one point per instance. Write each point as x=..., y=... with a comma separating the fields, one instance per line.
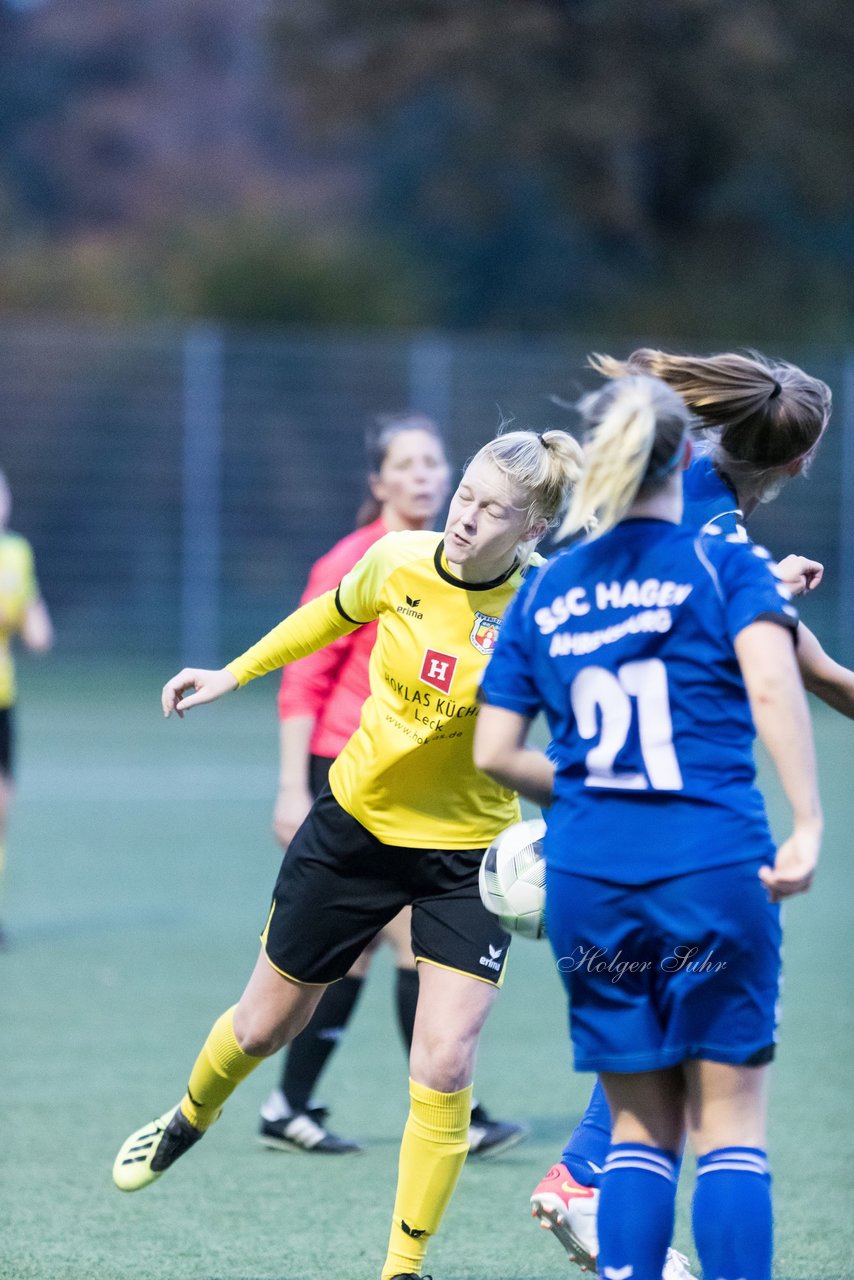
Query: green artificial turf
x=141, y=863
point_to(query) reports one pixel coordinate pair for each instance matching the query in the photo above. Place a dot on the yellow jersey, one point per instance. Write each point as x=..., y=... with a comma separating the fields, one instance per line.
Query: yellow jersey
x=18, y=590
x=407, y=773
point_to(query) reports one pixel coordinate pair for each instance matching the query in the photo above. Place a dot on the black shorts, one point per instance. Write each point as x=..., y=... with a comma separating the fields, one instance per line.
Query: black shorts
x=7, y=741
x=318, y=773
x=338, y=885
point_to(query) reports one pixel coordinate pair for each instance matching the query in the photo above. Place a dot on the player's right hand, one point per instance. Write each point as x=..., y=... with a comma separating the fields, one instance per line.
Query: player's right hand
x=795, y=863
x=207, y=686
x=289, y=813
x=799, y=574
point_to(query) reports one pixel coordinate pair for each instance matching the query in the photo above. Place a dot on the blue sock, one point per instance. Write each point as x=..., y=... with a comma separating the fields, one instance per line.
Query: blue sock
x=585, y=1153
x=636, y=1211
x=733, y=1221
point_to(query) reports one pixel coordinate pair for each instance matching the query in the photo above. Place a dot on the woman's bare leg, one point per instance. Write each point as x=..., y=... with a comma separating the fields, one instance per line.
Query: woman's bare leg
x=732, y=1211
x=638, y=1187
x=271, y=1010
x=452, y=1008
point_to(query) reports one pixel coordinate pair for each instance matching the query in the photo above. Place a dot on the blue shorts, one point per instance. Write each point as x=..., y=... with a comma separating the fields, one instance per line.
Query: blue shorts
x=687, y=967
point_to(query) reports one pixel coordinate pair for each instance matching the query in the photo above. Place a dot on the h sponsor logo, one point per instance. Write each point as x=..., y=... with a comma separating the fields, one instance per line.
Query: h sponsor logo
x=437, y=670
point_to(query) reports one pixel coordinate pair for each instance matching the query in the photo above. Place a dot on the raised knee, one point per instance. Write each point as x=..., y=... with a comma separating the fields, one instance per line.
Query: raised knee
x=257, y=1036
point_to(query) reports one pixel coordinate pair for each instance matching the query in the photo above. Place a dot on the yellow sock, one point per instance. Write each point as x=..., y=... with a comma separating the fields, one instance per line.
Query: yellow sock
x=432, y=1154
x=217, y=1072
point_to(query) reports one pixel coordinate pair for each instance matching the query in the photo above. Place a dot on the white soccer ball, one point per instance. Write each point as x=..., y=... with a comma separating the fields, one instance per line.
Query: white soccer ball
x=512, y=878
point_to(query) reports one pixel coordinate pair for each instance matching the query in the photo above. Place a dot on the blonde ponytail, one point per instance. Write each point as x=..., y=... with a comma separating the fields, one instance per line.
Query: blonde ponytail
x=636, y=426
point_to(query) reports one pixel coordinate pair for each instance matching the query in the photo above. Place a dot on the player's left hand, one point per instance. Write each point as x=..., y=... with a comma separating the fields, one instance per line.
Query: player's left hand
x=795, y=864
x=799, y=574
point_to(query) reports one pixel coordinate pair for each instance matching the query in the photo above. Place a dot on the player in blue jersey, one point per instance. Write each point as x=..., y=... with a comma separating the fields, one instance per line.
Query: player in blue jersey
x=756, y=423
x=648, y=647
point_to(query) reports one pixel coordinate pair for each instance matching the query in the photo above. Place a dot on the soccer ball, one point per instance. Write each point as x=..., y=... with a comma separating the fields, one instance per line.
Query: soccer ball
x=512, y=878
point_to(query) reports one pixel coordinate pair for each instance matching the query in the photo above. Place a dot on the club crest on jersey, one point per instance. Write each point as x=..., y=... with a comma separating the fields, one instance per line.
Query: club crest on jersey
x=484, y=633
x=437, y=670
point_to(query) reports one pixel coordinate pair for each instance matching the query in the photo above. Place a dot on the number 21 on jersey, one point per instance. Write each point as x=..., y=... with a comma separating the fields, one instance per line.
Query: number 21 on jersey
x=604, y=703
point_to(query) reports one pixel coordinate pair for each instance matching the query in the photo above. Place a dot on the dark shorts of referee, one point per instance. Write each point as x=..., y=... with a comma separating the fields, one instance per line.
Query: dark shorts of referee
x=7, y=742
x=338, y=885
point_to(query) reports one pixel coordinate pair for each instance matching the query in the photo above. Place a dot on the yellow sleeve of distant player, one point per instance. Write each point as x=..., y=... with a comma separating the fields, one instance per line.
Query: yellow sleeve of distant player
x=311, y=627
x=31, y=586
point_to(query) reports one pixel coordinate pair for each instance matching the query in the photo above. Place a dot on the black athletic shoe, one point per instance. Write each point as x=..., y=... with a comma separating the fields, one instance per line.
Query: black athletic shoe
x=149, y=1152
x=301, y=1132
x=488, y=1137
x=410, y=1275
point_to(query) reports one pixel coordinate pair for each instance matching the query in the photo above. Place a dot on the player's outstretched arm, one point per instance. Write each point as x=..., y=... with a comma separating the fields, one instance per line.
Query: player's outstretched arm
x=500, y=750
x=37, y=628
x=767, y=659
x=827, y=679
x=206, y=686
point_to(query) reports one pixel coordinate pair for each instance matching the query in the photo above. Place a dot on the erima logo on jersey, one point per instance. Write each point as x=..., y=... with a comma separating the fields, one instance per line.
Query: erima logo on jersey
x=493, y=960
x=410, y=609
x=437, y=670
x=484, y=633
x=618, y=1273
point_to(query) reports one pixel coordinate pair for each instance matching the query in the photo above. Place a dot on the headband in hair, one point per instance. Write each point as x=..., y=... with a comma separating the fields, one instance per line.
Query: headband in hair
x=543, y=441
x=777, y=389
x=664, y=467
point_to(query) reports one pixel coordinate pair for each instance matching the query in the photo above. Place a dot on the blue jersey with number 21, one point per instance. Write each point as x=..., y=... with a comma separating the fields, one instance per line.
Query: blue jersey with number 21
x=626, y=643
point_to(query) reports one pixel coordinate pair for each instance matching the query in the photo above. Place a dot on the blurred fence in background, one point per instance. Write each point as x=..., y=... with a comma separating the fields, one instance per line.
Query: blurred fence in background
x=177, y=484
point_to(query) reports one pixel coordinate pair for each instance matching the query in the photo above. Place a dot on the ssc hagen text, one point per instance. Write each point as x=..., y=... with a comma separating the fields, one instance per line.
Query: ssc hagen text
x=652, y=593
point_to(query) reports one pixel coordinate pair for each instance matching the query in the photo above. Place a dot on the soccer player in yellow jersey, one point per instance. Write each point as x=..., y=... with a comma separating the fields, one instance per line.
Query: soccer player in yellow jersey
x=22, y=613
x=404, y=820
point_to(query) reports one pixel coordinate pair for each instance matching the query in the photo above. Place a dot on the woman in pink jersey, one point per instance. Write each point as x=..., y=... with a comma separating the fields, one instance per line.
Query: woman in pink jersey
x=320, y=703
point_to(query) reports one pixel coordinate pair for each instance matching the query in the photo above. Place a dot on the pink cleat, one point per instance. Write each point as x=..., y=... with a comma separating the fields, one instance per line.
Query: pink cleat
x=568, y=1210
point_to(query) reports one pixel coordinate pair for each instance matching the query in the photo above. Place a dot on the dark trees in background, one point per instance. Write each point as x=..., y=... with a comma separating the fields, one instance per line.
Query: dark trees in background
x=666, y=162
x=680, y=166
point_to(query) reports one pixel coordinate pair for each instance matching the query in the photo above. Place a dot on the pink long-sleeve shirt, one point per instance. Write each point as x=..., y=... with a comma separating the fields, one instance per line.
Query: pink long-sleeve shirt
x=332, y=684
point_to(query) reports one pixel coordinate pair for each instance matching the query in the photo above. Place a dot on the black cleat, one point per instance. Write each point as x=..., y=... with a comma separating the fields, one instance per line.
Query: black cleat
x=300, y=1131
x=488, y=1137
